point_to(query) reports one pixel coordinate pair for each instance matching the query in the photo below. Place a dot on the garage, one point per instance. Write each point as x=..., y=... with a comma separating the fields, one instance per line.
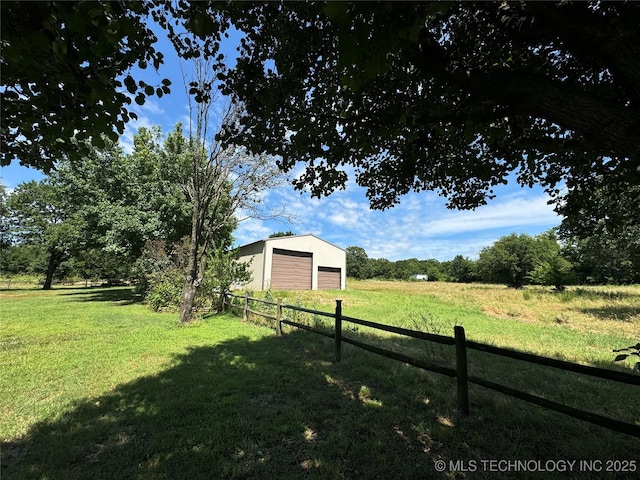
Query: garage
x=293, y=262
x=291, y=270
x=329, y=278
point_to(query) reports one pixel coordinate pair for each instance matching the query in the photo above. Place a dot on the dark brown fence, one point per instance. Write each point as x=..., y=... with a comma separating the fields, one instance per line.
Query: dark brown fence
x=460, y=372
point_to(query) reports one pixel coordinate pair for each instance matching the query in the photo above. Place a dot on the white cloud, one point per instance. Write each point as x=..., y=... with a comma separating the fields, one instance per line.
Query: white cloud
x=420, y=226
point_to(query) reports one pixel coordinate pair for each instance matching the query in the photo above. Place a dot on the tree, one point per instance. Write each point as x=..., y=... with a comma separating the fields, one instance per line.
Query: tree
x=103, y=210
x=445, y=96
x=603, y=241
x=125, y=200
x=288, y=233
x=381, y=268
x=223, y=272
x=462, y=270
x=517, y=260
x=552, y=268
x=509, y=260
x=224, y=186
x=41, y=215
x=66, y=74
x=358, y=263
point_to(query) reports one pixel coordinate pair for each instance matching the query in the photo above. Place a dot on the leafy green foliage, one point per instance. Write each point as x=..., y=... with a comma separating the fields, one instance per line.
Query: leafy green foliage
x=557, y=271
x=452, y=96
x=40, y=214
x=462, y=270
x=357, y=263
x=223, y=272
x=520, y=259
x=288, y=233
x=102, y=211
x=603, y=240
x=160, y=272
x=66, y=75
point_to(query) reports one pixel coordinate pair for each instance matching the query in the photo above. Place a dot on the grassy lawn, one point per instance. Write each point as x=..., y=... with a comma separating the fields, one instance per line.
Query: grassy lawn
x=94, y=385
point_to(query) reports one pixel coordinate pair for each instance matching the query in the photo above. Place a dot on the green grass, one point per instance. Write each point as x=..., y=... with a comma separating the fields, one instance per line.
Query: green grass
x=94, y=385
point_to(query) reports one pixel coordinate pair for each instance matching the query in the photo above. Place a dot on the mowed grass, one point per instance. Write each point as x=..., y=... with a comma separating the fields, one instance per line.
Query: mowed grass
x=94, y=385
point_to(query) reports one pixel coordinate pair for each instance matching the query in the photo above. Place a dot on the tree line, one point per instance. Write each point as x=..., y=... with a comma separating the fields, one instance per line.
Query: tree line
x=162, y=216
x=517, y=260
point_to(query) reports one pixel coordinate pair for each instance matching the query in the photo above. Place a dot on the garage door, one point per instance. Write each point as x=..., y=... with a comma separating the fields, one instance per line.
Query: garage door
x=291, y=270
x=329, y=278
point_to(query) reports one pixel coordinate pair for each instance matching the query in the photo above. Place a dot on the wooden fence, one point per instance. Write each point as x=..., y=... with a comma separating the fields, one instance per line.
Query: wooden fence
x=460, y=371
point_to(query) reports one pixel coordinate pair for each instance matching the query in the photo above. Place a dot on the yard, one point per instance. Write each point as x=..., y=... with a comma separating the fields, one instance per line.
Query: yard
x=94, y=385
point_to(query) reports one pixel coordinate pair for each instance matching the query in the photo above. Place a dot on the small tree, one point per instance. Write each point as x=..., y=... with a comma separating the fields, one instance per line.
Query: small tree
x=224, y=271
x=224, y=187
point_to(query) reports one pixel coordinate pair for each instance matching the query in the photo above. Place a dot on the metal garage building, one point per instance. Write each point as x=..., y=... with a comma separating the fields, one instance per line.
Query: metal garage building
x=297, y=262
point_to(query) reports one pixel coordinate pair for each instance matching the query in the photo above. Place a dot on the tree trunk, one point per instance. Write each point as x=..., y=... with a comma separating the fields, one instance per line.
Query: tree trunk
x=189, y=290
x=51, y=270
x=195, y=269
x=190, y=285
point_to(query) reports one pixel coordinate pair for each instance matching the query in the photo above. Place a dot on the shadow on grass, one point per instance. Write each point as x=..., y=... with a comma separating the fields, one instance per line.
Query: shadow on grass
x=240, y=409
x=117, y=295
x=616, y=313
x=279, y=408
x=604, y=294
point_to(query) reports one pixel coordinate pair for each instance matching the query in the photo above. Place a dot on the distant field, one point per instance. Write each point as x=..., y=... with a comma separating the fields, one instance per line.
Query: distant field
x=581, y=324
x=94, y=385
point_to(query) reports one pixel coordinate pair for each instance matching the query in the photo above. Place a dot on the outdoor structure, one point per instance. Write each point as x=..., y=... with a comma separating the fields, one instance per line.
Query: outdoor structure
x=420, y=277
x=297, y=262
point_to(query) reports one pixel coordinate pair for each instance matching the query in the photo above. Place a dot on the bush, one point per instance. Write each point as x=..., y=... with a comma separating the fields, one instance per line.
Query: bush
x=165, y=293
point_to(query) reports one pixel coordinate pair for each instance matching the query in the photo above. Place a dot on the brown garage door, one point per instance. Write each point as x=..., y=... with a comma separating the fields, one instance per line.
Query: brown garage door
x=329, y=278
x=291, y=270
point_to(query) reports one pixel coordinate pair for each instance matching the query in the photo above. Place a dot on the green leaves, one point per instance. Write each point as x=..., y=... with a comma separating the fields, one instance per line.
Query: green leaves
x=443, y=96
x=88, y=48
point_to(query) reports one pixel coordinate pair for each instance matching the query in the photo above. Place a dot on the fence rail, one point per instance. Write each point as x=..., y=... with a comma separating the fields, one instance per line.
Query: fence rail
x=460, y=372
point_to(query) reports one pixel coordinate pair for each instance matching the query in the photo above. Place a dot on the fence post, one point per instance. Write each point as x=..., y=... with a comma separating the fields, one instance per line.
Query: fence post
x=245, y=315
x=461, y=369
x=278, y=317
x=338, y=331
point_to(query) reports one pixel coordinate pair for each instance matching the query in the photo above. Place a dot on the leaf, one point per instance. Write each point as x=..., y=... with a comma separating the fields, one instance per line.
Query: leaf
x=140, y=99
x=130, y=83
x=621, y=357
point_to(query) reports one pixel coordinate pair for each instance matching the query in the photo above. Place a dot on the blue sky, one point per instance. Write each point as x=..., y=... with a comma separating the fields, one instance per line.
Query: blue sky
x=419, y=227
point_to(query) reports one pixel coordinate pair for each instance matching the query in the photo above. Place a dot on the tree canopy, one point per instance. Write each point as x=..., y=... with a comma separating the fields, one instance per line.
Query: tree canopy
x=452, y=96
x=66, y=75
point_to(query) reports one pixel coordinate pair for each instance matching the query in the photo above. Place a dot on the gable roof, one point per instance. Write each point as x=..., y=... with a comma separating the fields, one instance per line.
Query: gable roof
x=275, y=239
